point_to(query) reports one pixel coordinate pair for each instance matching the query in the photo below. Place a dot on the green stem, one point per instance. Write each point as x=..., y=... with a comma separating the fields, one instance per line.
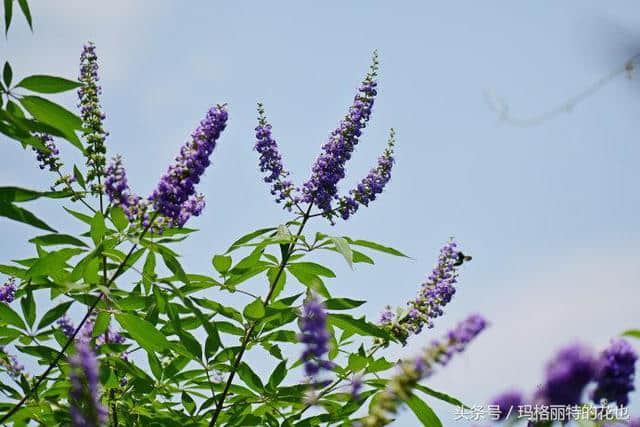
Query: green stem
x=42, y=377
x=248, y=334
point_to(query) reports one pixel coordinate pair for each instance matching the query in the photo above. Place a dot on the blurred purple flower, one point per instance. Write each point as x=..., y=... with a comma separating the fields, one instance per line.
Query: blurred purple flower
x=615, y=372
x=566, y=376
x=314, y=334
x=117, y=188
x=508, y=402
x=84, y=395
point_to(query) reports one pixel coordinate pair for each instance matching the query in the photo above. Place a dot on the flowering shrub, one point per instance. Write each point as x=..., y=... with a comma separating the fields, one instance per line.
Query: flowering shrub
x=154, y=346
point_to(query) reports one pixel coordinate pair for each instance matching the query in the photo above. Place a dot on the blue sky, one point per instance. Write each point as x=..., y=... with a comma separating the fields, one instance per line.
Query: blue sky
x=548, y=212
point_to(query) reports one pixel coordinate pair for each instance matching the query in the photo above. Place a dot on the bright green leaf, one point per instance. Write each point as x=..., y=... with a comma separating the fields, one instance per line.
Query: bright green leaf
x=143, y=332
x=254, y=310
x=47, y=84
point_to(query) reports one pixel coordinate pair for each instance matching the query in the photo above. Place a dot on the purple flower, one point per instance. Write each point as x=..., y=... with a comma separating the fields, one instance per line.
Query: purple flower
x=177, y=186
x=92, y=116
x=110, y=337
x=615, y=372
x=66, y=325
x=271, y=160
x=48, y=159
x=566, y=376
x=356, y=386
x=507, y=402
x=436, y=292
x=371, y=185
x=10, y=363
x=8, y=290
x=84, y=395
x=117, y=188
x=457, y=339
x=329, y=167
x=314, y=334
x=192, y=207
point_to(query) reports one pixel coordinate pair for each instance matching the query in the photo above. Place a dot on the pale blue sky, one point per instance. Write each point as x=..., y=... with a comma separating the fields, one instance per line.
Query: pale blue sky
x=549, y=213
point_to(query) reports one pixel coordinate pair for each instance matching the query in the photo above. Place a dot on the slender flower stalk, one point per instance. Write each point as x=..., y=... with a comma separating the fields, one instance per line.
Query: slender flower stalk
x=401, y=386
x=615, y=372
x=271, y=161
x=84, y=396
x=92, y=117
x=177, y=186
x=371, y=185
x=8, y=290
x=329, y=168
x=436, y=292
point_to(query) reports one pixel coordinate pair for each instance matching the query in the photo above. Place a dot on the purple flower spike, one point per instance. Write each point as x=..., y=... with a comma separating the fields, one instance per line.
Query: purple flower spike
x=458, y=338
x=271, y=161
x=10, y=363
x=508, y=402
x=48, y=159
x=313, y=333
x=615, y=373
x=329, y=167
x=92, y=115
x=177, y=186
x=8, y=290
x=84, y=395
x=567, y=376
x=436, y=292
x=117, y=188
x=66, y=325
x=371, y=185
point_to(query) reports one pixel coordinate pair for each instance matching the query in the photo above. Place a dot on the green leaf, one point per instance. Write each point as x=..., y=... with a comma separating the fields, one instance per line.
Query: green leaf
x=54, y=115
x=442, y=396
x=278, y=374
x=18, y=194
x=98, y=228
x=635, y=333
x=79, y=178
x=53, y=262
x=312, y=268
x=174, y=266
x=357, y=362
x=248, y=237
x=249, y=377
x=376, y=246
x=10, y=317
x=54, y=314
x=221, y=263
x=342, y=246
x=82, y=217
x=101, y=325
x=7, y=74
x=119, y=218
x=11, y=211
x=188, y=403
x=143, y=332
x=358, y=326
x=47, y=84
x=311, y=281
x=8, y=12
x=380, y=365
x=254, y=310
x=57, y=239
x=28, y=305
x=25, y=11
x=342, y=303
x=424, y=413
